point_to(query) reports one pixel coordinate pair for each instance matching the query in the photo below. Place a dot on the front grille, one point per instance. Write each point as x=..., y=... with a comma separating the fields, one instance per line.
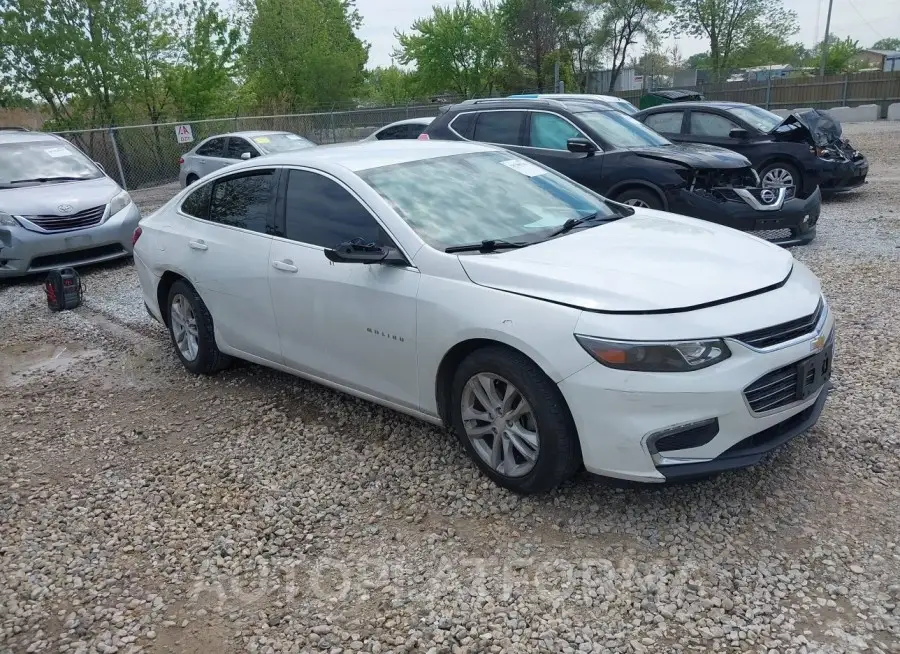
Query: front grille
x=79, y=220
x=772, y=234
x=786, y=331
x=774, y=390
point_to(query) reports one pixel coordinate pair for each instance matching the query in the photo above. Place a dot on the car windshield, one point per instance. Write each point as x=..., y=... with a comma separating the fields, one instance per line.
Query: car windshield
x=271, y=143
x=621, y=131
x=29, y=163
x=479, y=196
x=764, y=121
x=624, y=106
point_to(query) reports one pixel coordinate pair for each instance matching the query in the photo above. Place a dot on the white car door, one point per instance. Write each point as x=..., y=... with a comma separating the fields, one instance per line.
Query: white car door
x=223, y=244
x=351, y=324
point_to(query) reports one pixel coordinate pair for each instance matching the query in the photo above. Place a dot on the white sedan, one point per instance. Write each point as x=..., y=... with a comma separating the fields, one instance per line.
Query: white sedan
x=471, y=287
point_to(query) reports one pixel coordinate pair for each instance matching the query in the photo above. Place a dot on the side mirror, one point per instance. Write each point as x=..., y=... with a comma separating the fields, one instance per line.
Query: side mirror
x=738, y=133
x=245, y=156
x=356, y=251
x=581, y=145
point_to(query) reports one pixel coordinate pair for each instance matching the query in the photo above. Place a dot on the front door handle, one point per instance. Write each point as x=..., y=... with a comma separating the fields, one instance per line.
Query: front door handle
x=198, y=245
x=287, y=266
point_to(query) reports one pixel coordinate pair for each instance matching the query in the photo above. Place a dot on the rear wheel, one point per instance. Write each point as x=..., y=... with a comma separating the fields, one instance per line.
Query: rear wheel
x=640, y=197
x=513, y=422
x=191, y=329
x=190, y=179
x=779, y=174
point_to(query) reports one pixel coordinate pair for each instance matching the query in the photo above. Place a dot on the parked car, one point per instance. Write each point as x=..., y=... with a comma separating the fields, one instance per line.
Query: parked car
x=611, y=101
x=620, y=158
x=57, y=207
x=411, y=275
x=401, y=129
x=223, y=150
x=805, y=150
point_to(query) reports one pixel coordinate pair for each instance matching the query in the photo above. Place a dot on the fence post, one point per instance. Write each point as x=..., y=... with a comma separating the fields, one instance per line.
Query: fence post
x=115, y=147
x=333, y=132
x=769, y=90
x=844, y=92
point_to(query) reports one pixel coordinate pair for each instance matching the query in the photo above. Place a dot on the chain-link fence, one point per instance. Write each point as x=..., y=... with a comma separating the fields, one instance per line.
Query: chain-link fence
x=145, y=156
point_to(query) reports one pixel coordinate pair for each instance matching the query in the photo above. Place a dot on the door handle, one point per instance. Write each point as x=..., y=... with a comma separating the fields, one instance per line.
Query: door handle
x=287, y=266
x=198, y=245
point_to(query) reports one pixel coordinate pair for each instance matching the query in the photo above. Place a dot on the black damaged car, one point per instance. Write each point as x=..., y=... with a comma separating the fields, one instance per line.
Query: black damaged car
x=805, y=150
x=621, y=159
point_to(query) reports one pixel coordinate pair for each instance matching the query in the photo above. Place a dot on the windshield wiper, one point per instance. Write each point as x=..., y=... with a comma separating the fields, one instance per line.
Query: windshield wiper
x=486, y=246
x=572, y=223
x=48, y=179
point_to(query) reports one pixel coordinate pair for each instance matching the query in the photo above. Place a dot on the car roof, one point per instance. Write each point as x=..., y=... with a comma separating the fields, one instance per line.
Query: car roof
x=363, y=155
x=422, y=120
x=574, y=96
x=248, y=133
x=25, y=136
x=699, y=103
x=573, y=105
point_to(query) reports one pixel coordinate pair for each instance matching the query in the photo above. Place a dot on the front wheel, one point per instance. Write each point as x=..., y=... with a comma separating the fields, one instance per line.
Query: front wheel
x=191, y=329
x=779, y=174
x=513, y=421
x=640, y=197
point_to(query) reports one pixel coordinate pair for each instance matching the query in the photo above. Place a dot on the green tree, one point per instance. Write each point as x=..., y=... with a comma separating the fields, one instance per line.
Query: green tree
x=842, y=55
x=392, y=85
x=304, y=53
x=887, y=44
x=625, y=21
x=154, y=48
x=534, y=32
x=729, y=25
x=584, y=40
x=457, y=49
x=763, y=47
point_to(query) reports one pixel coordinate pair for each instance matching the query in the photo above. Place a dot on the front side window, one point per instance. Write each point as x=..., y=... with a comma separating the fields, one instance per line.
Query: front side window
x=468, y=198
x=551, y=132
x=212, y=148
x=762, y=119
x=244, y=201
x=391, y=133
x=706, y=124
x=237, y=147
x=319, y=211
x=503, y=127
x=667, y=122
x=30, y=163
x=621, y=131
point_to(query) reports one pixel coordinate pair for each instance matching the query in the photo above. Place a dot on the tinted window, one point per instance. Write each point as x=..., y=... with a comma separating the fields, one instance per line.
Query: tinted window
x=704, y=124
x=237, y=147
x=212, y=148
x=391, y=133
x=761, y=119
x=244, y=201
x=551, y=132
x=462, y=124
x=196, y=204
x=319, y=211
x=414, y=129
x=668, y=122
x=502, y=127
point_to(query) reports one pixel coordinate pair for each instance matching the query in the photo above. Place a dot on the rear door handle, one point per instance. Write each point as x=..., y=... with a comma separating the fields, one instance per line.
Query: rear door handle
x=287, y=266
x=198, y=245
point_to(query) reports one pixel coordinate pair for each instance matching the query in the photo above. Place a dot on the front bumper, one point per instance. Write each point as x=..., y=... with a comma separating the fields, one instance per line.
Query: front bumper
x=793, y=224
x=23, y=252
x=840, y=176
x=618, y=414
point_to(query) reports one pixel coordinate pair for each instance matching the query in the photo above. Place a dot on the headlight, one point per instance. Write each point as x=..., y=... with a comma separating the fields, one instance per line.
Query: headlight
x=828, y=152
x=119, y=202
x=7, y=221
x=681, y=356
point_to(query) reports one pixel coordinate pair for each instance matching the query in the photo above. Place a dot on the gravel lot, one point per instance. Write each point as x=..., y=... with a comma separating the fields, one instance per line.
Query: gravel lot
x=144, y=509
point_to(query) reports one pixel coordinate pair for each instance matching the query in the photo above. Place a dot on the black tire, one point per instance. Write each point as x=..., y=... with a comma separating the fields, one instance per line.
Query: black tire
x=645, y=197
x=789, y=168
x=190, y=179
x=209, y=359
x=559, y=452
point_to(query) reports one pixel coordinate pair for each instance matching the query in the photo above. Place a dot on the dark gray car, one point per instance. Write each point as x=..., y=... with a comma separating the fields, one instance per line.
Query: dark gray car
x=223, y=150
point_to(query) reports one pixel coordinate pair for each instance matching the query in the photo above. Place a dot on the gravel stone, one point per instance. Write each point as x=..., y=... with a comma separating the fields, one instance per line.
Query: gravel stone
x=145, y=509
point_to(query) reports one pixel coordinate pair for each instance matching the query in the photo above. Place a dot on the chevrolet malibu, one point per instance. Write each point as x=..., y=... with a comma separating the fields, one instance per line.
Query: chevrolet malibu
x=471, y=287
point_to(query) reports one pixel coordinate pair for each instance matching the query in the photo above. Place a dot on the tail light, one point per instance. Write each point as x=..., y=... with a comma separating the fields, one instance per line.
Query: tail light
x=424, y=137
x=134, y=237
x=180, y=161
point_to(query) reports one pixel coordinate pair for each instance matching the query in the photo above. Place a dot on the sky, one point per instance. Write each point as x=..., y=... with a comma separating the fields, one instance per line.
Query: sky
x=864, y=20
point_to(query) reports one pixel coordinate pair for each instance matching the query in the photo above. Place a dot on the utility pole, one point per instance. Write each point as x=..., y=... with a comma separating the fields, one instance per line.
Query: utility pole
x=825, y=41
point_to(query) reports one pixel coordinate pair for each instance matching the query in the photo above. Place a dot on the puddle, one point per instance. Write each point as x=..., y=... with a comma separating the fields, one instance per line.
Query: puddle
x=22, y=364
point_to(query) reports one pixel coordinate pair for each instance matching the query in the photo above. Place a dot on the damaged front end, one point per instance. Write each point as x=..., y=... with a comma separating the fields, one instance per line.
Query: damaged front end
x=735, y=198
x=821, y=131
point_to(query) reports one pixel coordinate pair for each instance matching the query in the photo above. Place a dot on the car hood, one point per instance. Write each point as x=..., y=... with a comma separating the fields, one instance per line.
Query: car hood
x=694, y=155
x=45, y=199
x=814, y=126
x=649, y=262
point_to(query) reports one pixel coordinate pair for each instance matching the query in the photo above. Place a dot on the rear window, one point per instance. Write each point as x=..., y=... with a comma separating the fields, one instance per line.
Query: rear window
x=31, y=163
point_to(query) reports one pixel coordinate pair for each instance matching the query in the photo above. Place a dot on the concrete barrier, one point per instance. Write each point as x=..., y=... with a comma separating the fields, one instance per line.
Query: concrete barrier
x=893, y=112
x=862, y=114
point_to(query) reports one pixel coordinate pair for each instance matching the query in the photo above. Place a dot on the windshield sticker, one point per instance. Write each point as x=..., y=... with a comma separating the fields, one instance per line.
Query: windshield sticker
x=525, y=167
x=262, y=139
x=56, y=153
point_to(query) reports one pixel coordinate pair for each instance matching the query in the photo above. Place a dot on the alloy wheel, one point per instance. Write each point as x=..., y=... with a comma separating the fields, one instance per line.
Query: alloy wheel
x=184, y=327
x=636, y=202
x=777, y=177
x=500, y=424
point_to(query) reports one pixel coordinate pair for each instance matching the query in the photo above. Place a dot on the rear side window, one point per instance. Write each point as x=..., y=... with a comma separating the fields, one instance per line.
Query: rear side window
x=503, y=127
x=668, y=122
x=245, y=201
x=462, y=124
x=392, y=133
x=212, y=148
x=196, y=204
